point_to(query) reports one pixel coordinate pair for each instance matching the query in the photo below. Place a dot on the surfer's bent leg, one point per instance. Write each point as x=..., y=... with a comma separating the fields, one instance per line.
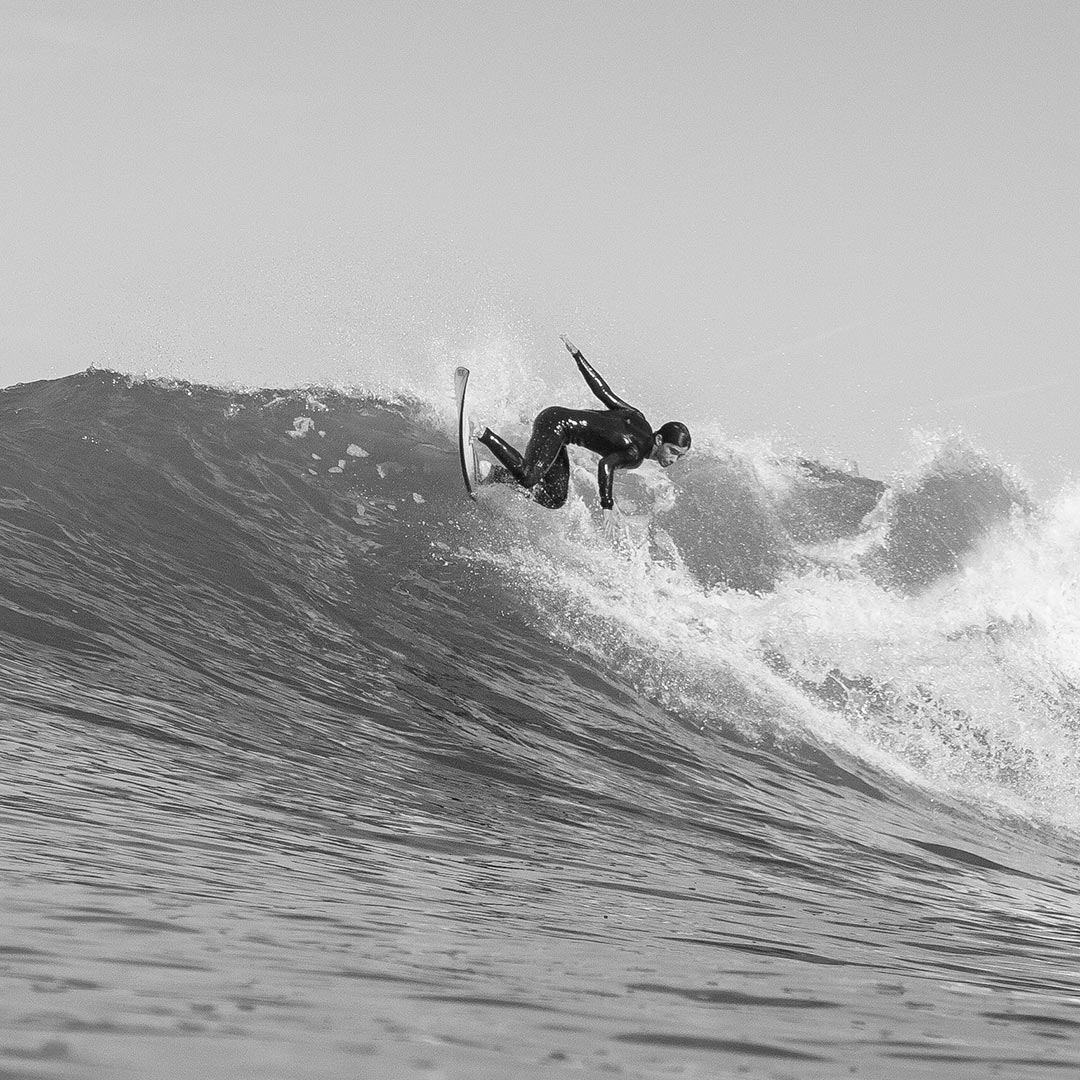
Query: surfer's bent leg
x=504, y=452
x=545, y=444
x=552, y=488
x=547, y=440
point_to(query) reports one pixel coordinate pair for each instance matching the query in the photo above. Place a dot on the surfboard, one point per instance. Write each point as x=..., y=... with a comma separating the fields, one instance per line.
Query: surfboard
x=470, y=462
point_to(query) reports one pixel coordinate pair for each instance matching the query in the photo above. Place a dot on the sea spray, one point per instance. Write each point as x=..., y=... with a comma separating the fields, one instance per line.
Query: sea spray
x=961, y=682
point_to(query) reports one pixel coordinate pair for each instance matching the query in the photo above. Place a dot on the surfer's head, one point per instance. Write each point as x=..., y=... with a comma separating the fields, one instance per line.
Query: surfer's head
x=670, y=443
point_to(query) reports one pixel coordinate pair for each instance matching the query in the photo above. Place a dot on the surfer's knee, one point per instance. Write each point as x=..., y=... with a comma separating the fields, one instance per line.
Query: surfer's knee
x=551, y=492
x=531, y=476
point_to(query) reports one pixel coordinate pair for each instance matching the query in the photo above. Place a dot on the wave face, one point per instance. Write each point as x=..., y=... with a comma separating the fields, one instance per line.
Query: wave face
x=314, y=768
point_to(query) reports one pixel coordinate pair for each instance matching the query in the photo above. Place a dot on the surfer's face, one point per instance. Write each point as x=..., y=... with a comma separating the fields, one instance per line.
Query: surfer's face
x=668, y=453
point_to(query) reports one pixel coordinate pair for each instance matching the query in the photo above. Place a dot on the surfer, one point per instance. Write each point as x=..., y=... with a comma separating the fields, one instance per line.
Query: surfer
x=619, y=433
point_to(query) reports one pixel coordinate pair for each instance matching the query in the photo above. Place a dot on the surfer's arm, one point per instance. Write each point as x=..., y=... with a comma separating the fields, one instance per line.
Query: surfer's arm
x=605, y=474
x=595, y=383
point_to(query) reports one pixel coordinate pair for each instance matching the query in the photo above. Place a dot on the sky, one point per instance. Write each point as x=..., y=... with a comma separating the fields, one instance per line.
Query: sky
x=828, y=224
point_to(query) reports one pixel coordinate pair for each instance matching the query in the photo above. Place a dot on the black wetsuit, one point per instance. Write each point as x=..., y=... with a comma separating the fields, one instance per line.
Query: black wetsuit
x=620, y=434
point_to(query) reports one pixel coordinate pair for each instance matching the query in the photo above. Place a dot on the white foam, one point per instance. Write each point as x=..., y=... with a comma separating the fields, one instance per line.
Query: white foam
x=302, y=425
x=973, y=687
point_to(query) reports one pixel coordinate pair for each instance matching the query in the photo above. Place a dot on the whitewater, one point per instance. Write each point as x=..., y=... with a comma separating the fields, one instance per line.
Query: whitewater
x=314, y=768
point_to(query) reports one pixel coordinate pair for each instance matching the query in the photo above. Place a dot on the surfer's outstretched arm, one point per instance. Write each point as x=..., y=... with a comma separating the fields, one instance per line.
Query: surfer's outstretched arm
x=595, y=383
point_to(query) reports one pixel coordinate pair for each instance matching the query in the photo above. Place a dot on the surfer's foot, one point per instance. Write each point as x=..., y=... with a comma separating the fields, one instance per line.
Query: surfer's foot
x=477, y=434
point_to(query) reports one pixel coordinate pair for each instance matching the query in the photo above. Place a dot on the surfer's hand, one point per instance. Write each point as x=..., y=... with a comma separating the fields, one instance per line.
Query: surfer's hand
x=569, y=344
x=614, y=526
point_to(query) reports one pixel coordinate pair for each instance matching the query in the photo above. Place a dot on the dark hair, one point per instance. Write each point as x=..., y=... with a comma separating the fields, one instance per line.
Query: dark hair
x=675, y=433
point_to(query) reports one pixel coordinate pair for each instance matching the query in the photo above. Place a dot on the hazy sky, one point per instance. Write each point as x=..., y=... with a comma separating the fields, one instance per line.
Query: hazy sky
x=830, y=222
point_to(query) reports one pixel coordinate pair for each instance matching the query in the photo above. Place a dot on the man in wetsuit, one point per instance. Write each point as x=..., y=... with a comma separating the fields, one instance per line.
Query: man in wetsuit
x=619, y=433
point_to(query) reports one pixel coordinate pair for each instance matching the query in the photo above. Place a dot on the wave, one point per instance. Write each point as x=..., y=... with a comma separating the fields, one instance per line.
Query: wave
x=252, y=570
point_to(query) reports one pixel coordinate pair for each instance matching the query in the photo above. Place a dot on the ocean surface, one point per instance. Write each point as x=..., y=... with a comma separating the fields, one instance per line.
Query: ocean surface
x=313, y=768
